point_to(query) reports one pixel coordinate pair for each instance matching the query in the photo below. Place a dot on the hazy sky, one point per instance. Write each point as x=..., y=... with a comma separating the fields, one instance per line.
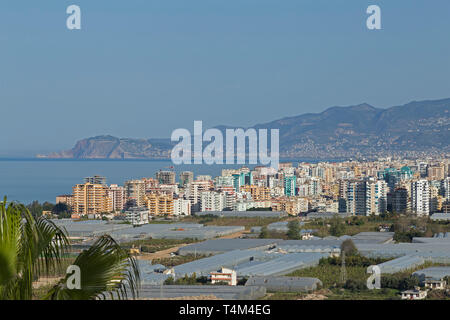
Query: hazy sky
x=142, y=68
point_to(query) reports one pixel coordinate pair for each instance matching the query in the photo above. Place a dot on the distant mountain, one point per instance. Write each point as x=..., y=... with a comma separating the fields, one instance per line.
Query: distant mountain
x=417, y=128
x=109, y=147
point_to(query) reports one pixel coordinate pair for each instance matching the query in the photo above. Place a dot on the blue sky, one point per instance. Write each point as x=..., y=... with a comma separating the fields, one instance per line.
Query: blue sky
x=142, y=68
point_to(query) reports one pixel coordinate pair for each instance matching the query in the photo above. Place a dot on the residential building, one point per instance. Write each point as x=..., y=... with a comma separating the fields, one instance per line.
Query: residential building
x=135, y=192
x=420, y=197
x=137, y=215
x=90, y=198
x=166, y=177
x=160, y=204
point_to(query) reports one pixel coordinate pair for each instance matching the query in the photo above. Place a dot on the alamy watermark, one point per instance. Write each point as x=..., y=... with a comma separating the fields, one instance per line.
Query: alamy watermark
x=74, y=280
x=73, y=22
x=374, y=281
x=231, y=150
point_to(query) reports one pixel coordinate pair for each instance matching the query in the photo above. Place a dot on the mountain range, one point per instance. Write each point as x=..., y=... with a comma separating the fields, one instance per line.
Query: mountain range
x=414, y=129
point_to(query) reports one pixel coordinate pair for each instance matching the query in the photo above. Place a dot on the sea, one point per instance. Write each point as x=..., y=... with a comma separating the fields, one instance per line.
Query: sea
x=26, y=180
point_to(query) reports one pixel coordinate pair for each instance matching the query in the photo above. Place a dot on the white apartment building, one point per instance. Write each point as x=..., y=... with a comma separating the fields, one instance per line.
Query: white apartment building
x=181, y=207
x=244, y=205
x=212, y=201
x=137, y=215
x=420, y=197
x=194, y=191
x=223, y=181
x=446, y=188
x=224, y=275
x=376, y=197
x=116, y=197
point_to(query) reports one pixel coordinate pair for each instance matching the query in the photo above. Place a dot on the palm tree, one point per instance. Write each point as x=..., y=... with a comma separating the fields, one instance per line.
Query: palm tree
x=30, y=248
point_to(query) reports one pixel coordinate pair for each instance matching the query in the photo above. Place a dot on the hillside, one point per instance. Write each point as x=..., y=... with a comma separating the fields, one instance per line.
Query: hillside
x=415, y=129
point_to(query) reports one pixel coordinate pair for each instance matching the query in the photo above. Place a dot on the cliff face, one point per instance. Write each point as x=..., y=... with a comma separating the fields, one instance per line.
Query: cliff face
x=417, y=128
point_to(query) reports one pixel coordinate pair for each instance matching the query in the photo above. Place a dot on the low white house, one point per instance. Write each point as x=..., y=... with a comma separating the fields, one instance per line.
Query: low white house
x=137, y=215
x=414, y=295
x=435, y=284
x=224, y=275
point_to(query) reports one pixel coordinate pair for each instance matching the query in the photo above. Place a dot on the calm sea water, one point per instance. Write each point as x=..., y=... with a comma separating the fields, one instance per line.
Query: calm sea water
x=25, y=180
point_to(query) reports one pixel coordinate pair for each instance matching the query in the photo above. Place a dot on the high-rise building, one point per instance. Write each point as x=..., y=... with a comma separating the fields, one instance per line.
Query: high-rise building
x=135, y=192
x=160, y=204
x=186, y=177
x=257, y=193
x=445, y=186
x=166, y=177
x=181, y=207
x=65, y=198
x=95, y=180
x=241, y=179
x=212, y=201
x=315, y=187
x=150, y=184
x=224, y=181
x=355, y=197
x=398, y=200
x=376, y=197
x=436, y=172
x=90, y=198
x=420, y=197
x=117, y=197
x=423, y=169
x=195, y=190
x=290, y=184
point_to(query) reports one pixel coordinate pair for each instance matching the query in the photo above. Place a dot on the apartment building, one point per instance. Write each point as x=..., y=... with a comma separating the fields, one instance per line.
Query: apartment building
x=160, y=204
x=290, y=184
x=186, y=177
x=376, y=197
x=90, y=198
x=135, y=192
x=195, y=189
x=117, y=198
x=181, y=207
x=257, y=193
x=212, y=201
x=398, y=201
x=166, y=177
x=420, y=197
x=137, y=215
x=95, y=180
x=65, y=198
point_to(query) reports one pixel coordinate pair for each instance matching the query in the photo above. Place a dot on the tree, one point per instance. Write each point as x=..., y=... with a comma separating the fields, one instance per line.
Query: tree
x=409, y=283
x=31, y=247
x=169, y=281
x=349, y=248
x=47, y=206
x=61, y=210
x=355, y=285
x=35, y=209
x=264, y=233
x=337, y=228
x=293, y=230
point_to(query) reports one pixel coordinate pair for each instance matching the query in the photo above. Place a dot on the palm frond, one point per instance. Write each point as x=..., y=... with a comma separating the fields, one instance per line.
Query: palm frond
x=106, y=269
x=28, y=248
